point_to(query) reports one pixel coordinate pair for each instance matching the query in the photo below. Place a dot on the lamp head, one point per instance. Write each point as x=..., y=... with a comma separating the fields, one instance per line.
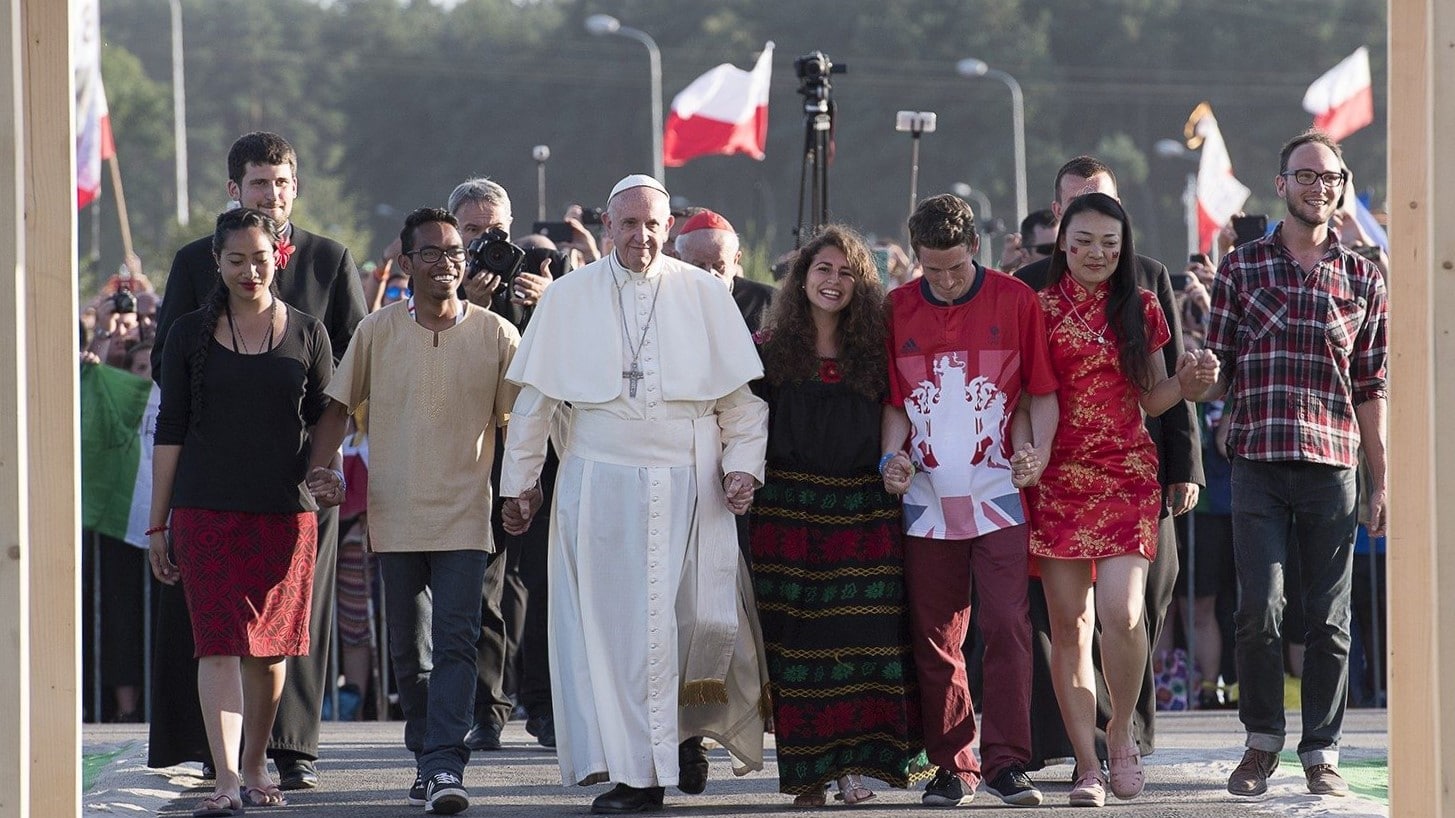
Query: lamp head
x=971, y=67
x=602, y=24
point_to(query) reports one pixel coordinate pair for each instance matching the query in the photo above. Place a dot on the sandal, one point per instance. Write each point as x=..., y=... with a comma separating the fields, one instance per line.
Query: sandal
x=268, y=796
x=1127, y=776
x=811, y=799
x=852, y=791
x=219, y=805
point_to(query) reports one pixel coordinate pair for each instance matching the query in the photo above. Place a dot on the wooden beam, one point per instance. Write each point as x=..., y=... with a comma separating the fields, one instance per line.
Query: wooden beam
x=53, y=375
x=14, y=576
x=1422, y=473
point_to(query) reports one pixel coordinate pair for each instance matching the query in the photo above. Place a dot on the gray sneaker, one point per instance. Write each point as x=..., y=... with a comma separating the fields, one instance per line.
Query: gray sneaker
x=1250, y=778
x=1324, y=779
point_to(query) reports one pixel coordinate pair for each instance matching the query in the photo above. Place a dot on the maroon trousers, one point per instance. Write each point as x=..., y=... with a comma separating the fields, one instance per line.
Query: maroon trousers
x=937, y=576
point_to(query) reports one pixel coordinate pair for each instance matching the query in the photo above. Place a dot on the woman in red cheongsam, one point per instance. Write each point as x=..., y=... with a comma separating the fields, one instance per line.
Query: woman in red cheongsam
x=1094, y=508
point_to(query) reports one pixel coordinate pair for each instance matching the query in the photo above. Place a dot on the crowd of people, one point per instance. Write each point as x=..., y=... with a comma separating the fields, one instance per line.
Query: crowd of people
x=649, y=503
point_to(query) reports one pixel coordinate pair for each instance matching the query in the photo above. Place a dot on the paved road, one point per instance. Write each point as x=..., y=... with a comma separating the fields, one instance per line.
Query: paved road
x=366, y=772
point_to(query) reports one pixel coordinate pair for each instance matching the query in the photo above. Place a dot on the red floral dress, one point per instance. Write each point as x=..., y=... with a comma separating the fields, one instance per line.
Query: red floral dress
x=1099, y=495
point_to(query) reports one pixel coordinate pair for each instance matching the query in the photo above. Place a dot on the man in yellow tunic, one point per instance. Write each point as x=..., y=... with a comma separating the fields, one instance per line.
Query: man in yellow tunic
x=653, y=636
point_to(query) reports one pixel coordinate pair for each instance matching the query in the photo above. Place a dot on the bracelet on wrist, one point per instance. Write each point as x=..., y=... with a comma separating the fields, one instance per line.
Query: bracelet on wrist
x=884, y=461
x=157, y=529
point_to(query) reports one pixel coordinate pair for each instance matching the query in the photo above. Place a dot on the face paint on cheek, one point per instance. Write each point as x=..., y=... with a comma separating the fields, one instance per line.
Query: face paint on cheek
x=1073, y=250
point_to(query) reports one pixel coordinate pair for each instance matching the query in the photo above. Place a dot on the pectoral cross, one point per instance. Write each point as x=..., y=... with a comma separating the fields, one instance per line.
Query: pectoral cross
x=634, y=375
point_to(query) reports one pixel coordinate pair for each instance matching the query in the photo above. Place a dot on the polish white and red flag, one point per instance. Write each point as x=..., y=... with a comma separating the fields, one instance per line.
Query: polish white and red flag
x=722, y=112
x=1342, y=100
x=93, y=119
x=1219, y=193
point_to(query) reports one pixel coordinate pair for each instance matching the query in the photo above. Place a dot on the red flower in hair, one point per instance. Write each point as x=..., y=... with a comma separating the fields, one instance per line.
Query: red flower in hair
x=282, y=253
x=828, y=371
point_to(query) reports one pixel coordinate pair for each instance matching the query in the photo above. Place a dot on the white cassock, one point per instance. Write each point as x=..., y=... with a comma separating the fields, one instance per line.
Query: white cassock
x=654, y=632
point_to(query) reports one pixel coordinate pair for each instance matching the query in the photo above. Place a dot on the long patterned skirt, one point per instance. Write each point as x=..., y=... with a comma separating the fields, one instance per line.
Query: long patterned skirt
x=829, y=577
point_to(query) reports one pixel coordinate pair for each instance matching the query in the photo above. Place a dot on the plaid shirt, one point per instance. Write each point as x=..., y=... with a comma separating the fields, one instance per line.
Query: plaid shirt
x=1303, y=349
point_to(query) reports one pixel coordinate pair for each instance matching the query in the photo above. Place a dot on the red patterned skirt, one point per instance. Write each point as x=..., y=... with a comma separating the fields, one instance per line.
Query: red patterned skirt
x=248, y=579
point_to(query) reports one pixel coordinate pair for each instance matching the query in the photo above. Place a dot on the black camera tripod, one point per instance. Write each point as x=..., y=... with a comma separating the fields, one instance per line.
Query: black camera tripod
x=818, y=127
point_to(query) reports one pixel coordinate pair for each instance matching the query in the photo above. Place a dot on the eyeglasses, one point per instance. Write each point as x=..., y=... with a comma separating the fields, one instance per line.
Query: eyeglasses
x=1043, y=249
x=432, y=254
x=1307, y=177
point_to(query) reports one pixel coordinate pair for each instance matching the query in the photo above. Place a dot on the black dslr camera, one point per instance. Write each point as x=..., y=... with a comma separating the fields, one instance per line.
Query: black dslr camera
x=813, y=71
x=493, y=253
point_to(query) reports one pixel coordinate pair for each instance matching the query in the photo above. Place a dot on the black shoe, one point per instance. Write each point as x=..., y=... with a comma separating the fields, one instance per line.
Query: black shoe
x=692, y=766
x=445, y=794
x=946, y=790
x=534, y=722
x=483, y=735
x=545, y=731
x=418, y=793
x=621, y=799
x=1014, y=787
x=296, y=773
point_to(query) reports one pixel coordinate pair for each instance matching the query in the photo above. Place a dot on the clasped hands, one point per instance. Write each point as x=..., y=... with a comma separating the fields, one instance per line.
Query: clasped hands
x=737, y=489
x=516, y=513
x=1197, y=370
x=327, y=486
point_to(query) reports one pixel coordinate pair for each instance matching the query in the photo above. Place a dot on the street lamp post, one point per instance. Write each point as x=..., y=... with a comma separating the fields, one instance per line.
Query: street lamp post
x=983, y=215
x=179, y=114
x=1173, y=149
x=971, y=67
x=601, y=24
x=540, y=153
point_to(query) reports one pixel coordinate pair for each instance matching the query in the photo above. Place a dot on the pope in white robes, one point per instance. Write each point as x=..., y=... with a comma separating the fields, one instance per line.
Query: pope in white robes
x=642, y=362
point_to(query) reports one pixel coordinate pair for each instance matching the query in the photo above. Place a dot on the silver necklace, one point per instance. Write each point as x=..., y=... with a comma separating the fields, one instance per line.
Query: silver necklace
x=634, y=375
x=1099, y=337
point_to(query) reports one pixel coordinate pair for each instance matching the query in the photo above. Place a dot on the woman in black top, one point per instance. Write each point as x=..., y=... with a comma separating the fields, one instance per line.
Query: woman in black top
x=243, y=379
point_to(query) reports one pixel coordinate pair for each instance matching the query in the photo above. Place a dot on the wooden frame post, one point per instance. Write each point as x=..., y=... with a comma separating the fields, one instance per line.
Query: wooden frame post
x=14, y=573
x=52, y=367
x=1422, y=438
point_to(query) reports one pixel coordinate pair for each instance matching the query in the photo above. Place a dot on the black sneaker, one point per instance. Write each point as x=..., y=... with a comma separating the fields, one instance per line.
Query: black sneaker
x=946, y=790
x=417, y=795
x=1014, y=787
x=445, y=794
x=483, y=736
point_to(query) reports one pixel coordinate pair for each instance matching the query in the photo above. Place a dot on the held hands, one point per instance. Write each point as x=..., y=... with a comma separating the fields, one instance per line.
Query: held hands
x=160, y=557
x=737, y=488
x=1026, y=466
x=517, y=513
x=1196, y=371
x=327, y=486
x=897, y=474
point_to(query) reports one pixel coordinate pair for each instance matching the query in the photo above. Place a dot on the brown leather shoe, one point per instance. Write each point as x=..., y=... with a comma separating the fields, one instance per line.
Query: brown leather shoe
x=1251, y=776
x=1324, y=779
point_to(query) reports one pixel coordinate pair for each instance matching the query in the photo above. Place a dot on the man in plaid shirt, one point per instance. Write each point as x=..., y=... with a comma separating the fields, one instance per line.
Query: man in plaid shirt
x=1298, y=322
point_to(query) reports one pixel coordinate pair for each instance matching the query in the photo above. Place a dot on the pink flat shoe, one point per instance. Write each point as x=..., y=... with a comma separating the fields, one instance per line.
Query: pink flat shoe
x=1089, y=790
x=1127, y=776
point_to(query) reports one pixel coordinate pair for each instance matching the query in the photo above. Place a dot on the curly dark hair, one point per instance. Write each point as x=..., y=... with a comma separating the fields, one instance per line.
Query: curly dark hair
x=259, y=148
x=1123, y=305
x=788, y=350
x=228, y=222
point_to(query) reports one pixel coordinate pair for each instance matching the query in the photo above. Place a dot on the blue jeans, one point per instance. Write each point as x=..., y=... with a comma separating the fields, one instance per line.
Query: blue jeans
x=432, y=606
x=1292, y=510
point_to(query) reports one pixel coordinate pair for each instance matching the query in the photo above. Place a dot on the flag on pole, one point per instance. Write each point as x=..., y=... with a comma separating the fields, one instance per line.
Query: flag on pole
x=724, y=111
x=93, y=119
x=1342, y=100
x=1219, y=194
x=118, y=421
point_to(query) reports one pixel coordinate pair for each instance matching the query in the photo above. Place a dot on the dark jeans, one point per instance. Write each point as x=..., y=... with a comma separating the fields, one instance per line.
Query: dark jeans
x=432, y=604
x=1286, y=512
